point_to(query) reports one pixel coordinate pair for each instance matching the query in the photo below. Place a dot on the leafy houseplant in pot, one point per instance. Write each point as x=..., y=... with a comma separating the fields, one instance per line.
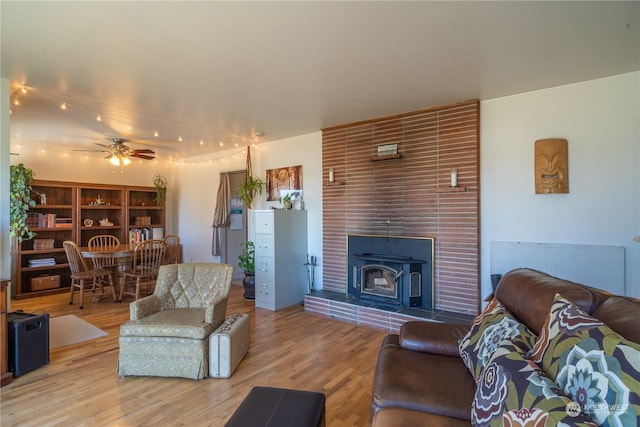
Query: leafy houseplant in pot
x=286, y=201
x=250, y=186
x=20, y=202
x=247, y=262
x=160, y=182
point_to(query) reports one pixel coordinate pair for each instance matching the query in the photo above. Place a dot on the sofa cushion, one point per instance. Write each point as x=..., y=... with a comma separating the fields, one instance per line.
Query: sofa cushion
x=514, y=391
x=594, y=365
x=431, y=337
x=621, y=314
x=176, y=322
x=397, y=417
x=527, y=295
x=487, y=332
x=423, y=382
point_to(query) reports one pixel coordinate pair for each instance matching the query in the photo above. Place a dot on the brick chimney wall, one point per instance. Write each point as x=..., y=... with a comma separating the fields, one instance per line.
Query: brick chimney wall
x=408, y=195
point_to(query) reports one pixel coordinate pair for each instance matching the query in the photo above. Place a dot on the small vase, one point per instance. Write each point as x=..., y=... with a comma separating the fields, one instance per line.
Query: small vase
x=249, y=284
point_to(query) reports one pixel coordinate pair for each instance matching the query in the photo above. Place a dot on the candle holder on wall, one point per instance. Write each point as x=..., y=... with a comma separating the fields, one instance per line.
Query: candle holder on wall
x=552, y=166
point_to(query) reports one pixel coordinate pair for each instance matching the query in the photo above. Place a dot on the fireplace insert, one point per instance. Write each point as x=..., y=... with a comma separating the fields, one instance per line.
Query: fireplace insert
x=398, y=274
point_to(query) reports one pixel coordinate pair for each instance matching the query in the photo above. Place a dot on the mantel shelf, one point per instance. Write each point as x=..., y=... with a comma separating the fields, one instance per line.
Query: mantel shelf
x=453, y=189
x=377, y=158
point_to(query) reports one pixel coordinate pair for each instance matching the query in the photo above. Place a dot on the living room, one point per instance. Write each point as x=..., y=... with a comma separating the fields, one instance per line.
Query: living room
x=596, y=114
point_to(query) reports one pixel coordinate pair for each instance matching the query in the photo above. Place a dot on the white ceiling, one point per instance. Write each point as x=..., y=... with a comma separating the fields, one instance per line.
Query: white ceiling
x=220, y=71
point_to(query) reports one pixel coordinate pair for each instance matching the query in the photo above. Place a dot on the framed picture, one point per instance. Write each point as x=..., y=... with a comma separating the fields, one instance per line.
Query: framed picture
x=280, y=180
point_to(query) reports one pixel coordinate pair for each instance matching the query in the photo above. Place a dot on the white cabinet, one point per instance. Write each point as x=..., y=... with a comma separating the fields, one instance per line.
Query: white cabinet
x=281, y=252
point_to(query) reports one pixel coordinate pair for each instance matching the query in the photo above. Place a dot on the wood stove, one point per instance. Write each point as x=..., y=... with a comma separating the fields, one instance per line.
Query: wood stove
x=391, y=271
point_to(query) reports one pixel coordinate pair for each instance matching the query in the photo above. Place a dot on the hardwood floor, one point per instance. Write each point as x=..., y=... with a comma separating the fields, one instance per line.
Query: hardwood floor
x=289, y=348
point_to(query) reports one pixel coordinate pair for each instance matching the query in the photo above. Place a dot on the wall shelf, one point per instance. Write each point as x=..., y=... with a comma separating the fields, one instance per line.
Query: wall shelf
x=335, y=183
x=377, y=158
x=453, y=189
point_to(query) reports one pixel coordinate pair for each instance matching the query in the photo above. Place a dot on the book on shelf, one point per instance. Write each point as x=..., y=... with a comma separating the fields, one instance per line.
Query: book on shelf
x=39, y=244
x=137, y=235
x=41, y=220
x=63, y=222
x=42, y=262
x=157, y=233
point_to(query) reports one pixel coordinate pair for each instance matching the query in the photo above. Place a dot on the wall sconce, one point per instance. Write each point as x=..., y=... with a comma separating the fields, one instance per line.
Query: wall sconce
x=332, y=175
x=454, y=177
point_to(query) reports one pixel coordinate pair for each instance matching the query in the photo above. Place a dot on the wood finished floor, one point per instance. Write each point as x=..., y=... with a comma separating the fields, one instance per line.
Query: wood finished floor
x=289, y=348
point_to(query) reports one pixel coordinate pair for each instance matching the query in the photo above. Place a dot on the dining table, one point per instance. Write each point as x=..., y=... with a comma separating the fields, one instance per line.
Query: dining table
x=123, y=253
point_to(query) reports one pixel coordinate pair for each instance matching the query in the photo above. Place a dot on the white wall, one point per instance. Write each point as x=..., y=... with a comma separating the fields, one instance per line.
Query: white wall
x=197, y=181
x=5, y=240
x=601, y=121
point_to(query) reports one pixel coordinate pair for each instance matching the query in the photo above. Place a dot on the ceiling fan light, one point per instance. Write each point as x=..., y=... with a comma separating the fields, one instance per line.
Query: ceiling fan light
x=114, y=160
x=126, y=161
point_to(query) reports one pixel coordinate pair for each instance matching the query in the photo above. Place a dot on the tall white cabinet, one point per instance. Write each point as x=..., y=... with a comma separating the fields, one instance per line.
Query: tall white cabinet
x=281, y=252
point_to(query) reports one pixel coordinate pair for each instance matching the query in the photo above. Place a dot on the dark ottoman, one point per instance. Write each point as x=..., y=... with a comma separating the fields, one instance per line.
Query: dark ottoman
x=275, y=407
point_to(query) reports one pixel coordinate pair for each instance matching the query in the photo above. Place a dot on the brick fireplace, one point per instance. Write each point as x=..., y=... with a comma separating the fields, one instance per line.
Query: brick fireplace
x=407, y=194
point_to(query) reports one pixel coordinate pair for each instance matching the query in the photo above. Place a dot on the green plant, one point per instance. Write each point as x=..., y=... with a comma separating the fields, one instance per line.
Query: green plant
x=160, y=182
x=249, y=188
x=247, y=259
x=286, y=200
x=20, y=202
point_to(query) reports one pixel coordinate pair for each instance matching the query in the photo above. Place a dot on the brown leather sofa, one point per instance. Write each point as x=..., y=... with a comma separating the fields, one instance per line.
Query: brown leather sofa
x=420, y=379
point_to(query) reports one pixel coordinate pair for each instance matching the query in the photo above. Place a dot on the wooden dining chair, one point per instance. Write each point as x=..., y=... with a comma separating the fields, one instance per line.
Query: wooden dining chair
x=173, y=249
x=102, y=241
x=82, y=272
x=148, y=256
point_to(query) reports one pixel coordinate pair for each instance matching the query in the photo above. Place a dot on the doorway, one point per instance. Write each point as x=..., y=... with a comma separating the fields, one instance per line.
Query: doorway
x=235, y=233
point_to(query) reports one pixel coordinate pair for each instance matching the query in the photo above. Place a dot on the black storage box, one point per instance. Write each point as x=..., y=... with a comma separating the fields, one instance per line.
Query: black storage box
x=28, y=341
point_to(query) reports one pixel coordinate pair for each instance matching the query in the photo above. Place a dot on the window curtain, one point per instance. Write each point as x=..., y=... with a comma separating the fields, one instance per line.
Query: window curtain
x=221, y=214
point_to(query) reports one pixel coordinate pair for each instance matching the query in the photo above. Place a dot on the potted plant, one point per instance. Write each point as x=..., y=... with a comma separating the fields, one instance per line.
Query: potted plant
x=249, y=188
x=286, y=201
x=160, y=182
x=247, y=262
x=20, y=202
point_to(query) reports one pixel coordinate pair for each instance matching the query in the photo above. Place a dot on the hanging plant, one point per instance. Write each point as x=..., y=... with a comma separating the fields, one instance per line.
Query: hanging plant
x=250, y=186
x=20, y=202
x=160, y=182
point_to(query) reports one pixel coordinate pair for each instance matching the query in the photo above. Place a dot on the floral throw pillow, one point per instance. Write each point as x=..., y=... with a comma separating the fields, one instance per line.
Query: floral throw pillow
x=591, y=363
x=488, y=330
x=513, y=391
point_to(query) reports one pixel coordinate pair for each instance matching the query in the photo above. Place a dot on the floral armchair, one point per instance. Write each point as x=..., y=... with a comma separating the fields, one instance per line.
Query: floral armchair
x=168, y=334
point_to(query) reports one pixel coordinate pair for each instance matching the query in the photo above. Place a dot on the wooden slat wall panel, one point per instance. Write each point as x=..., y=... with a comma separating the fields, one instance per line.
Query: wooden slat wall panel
x=408, y=196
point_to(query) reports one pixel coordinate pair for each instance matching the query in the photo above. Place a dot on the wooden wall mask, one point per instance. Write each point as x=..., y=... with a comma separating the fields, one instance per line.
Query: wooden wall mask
x=552, y=166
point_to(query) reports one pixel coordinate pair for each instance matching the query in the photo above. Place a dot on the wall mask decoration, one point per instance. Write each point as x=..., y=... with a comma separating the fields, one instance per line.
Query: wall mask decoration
x=289, y=178
x=552, y=166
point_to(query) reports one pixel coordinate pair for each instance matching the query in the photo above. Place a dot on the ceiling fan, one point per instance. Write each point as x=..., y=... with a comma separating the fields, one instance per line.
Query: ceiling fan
x=119, y=154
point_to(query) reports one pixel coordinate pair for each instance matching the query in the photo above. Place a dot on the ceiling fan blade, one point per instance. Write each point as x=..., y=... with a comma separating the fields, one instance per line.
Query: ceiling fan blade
x=142, y=156
x=93, y=151
x=144, y=150
x=102, y=145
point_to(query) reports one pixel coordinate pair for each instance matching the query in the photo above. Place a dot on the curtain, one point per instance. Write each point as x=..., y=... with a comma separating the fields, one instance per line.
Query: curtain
x=221, y=214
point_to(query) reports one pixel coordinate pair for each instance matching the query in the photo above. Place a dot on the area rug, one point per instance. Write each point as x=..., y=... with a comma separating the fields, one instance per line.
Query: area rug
x=70, y=329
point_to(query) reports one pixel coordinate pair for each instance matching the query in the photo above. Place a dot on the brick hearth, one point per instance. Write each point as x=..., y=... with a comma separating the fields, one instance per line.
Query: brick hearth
x=341, y=306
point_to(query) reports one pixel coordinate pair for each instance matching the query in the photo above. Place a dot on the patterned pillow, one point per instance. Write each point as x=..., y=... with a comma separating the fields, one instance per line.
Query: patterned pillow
x=513, y=391
x=488, y=330
x=594, y=365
